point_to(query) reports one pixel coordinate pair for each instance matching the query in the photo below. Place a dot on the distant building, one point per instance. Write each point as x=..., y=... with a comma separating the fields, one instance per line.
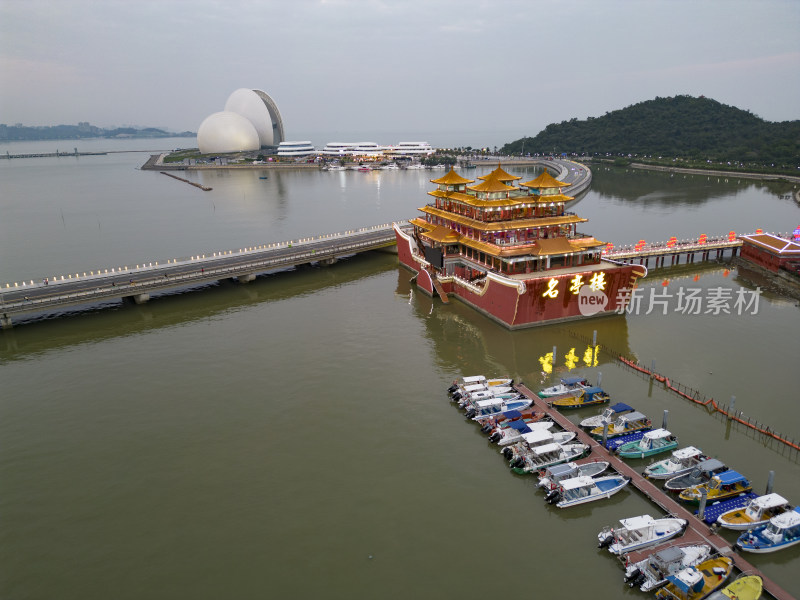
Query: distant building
x=221, y=132
x=298, y=149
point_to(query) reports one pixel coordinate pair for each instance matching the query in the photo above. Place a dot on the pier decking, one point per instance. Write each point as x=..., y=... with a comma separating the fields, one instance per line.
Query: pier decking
x=697, y=529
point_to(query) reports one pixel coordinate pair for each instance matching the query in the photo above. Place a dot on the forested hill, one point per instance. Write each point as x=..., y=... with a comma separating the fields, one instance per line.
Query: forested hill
x=683, y=126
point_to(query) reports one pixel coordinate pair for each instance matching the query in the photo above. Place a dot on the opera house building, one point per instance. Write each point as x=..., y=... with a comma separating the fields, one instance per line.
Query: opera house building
x=249, y=121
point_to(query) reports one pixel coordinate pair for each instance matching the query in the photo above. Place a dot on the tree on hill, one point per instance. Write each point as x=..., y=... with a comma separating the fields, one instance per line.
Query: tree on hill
x=697, y=128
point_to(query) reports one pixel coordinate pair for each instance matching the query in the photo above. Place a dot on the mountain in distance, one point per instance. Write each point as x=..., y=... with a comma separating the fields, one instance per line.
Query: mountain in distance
x=81, y=131
x=682, y=126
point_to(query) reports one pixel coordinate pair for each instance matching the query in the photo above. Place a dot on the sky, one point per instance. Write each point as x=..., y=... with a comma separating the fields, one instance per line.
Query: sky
x=452, y=72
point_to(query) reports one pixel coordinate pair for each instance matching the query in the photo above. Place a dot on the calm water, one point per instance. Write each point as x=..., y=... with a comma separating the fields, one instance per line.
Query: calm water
x=292, y=436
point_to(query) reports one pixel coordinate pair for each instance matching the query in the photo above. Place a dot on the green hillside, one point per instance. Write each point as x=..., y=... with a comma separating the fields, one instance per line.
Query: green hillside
x=683, y=126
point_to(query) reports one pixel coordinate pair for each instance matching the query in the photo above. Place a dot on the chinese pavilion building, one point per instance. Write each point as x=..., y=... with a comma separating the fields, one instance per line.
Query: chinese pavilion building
x=512, y=251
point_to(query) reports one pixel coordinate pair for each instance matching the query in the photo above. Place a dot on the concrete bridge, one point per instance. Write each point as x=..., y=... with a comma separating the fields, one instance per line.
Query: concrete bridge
x=139, y=282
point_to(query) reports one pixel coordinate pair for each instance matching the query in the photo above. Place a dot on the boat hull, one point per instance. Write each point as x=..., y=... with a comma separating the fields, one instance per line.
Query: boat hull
x=521, y=302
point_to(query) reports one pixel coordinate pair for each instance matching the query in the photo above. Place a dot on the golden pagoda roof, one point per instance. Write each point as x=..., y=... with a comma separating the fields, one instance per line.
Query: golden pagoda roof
x=545, y=180
x=451, y=178
x=443, y=234
x=531, y=223
x=500, y=175
x=522, y=199
x=491, y=185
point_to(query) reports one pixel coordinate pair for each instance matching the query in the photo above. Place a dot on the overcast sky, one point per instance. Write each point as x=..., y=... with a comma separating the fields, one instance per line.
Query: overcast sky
x=444, y=67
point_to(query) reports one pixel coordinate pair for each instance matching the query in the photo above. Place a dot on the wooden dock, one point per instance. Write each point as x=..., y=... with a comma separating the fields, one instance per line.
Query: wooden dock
x=697, y=530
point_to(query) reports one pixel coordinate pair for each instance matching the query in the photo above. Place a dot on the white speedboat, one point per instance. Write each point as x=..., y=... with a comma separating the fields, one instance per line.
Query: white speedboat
x=549, y=478
x=503, y=436
x=568, y=385
x=651, y=573
x=640, y=532
x=531, y=440
x=580, y=490
x=607, y=416
x=390, y=167
x=496, y=407
x=683, y=460
x=756, y=512
x=415, y=166
x=475, y=383
x=548, y=455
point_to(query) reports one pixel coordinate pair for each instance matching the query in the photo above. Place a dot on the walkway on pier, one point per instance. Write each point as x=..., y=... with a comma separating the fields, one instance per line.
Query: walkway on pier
x=697, y=528
x=673, y=250
x=141, y=281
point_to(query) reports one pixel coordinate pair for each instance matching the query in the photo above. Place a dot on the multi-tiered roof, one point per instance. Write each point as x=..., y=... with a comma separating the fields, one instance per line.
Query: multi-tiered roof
x=509, y=222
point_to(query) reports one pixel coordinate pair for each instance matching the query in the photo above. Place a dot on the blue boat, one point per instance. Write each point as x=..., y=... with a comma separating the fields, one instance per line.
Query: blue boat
x=781, y=532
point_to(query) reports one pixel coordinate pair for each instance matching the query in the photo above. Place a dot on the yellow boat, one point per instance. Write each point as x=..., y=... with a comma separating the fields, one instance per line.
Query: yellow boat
x=748, y=587
x=697, y=582
x=588, y=397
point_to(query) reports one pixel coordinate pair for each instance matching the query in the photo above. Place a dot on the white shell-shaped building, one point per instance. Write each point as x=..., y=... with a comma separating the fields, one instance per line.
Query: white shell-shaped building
x=225, y=131
x=258, y=108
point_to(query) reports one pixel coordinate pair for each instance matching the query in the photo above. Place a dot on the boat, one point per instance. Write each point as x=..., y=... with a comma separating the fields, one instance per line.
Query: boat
x=475, y=383
x=414, y=166
x=568, y=385
x=364, y=168
x=548, y=455
x=263, y=177
x=580, y=490
x=694, y=583
x=390, y=167
x=472, y=396
x=781, y=532
x=512, y=251
x=682, y=461
x=489, y=424
x=588, y=397
x=758, y=511
x=496, y=406
x=623, y=425
x=550, y=477
x=652, y=442
x=704, y=471
x=720, y=487
x=336, y=168
x=640, y=532
x=607, y=416
x=533, y=439
x=748, y=587
x=503, y=436
x=651, y=572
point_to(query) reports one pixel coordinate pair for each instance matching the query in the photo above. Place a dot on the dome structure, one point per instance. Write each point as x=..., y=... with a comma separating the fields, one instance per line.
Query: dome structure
x=258, y=108
x=226, y=131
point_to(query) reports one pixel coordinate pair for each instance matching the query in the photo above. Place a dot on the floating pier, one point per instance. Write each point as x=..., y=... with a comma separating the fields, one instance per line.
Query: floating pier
x=697, y=530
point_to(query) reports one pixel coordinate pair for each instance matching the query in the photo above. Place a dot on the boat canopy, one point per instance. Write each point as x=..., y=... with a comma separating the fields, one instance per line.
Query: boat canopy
x=576, y=482
x=520, y=426
x=730, y=477
x=474, y=379
x=711, y=464
x=537, y=437
x=688, y=452
x=561, y=470
x=482, y=395
x=572, y=380
x=634, y=416
x=620, y=407
x=637, y=522
x=546, y=449
x=513, y=414
x=668, y=555
x=657, y=434
x=491, y=402
x=769, y=501
x=477, y=387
